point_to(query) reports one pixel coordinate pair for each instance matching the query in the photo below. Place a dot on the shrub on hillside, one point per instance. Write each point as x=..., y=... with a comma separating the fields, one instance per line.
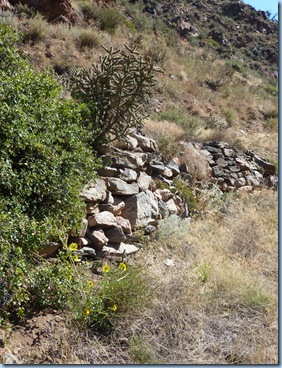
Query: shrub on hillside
x=115, y=92
x=44, y=157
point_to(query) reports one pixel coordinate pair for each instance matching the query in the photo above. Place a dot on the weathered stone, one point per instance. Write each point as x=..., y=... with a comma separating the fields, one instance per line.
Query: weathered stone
x=229, y=152
x=212, y=149
x=103, y=219
x=109, y=198
x=157, y=167
x=108, y=171
x=124, y=223
x=120, y=187
x=173, y=166
x=258, y=175
x=221, y=162
x=269, y=169
x=240, y=182
x=144, y=181
x=132, y=160
x=114, y=209
x=94, y=191
x=140, y=209
x=122, y=248
x=245, y=188
x=129, y=144
x=86, y=252
x=164, y=212
x=164, y=194
x=128, y=175
x=167, y=173
x=234, y=168
x=97, y=238
x=92, y=208
x=171, y=206
x=147, y=144
x=217, y=171
x=83, y=228
x=115, y=234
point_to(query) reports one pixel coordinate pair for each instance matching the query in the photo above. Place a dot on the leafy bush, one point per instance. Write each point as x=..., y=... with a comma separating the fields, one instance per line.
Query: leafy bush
x=115, y=92
x=44, y=157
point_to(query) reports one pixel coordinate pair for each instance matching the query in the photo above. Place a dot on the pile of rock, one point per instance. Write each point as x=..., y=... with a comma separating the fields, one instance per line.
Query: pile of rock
x=233, y=169
x=135, y=190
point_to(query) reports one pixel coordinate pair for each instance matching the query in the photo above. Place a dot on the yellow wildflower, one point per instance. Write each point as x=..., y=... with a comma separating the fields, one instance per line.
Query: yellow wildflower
x=122, y=266
x=73, y=247
x=90, y=283
x=70, y=277
x=114, y=307
x=106, y=268
x=87, y=311
x=75, y=258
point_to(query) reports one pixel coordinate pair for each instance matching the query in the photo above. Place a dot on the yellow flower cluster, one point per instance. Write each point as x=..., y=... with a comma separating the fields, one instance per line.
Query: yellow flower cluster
x=73, y=247
x=106, y=268
x=122, y=266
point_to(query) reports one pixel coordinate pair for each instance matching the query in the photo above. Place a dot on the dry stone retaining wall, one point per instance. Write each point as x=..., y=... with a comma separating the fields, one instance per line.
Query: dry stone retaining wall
x=129, y=196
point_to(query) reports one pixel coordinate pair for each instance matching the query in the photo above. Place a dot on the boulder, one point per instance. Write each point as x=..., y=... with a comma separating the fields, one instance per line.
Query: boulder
x=94, y=191
x=119, y=249
x=92, y=208
x=97, y=238
x=115, y=234
x=103, y=219
x=128, y=175
x=171, y=206
x=114, y=209
x=5, y=5
x=120, y=187
x=147, y=144
x=144, y=181
x=141, y=209
x=125, y=224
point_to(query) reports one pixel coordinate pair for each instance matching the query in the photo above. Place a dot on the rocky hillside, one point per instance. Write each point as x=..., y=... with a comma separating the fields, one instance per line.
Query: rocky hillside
x=161, y=247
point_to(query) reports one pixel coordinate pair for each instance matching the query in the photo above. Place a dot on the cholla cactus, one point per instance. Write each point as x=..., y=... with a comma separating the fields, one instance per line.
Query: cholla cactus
x=115, y=91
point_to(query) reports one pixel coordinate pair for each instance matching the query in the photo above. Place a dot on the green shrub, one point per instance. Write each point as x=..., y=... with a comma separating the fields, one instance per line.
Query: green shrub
x=121, y=289
x=38, y=29
x=44, y=157
x=109, y=19
x=88, y=38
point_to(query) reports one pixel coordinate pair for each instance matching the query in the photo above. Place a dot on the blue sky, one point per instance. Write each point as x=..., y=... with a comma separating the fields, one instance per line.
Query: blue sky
x=270, y=5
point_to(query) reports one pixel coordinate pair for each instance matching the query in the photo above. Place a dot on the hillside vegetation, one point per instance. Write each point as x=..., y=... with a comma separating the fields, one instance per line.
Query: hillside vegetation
x=72, y=80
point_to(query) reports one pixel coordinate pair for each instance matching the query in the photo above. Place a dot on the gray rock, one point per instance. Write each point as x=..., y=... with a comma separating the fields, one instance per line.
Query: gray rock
x=103, y=219
x=141, y=209
x=147, y=144
x=97, y=238
x=164, y=212
x=124, y=223
x=86, y=252
x=119, y=249
x=120, y=187
x=128, y=175
x=171, y=207
x=115, y=234
x=94, y=191
x=144, y=181
x=173, y=166
x=92, y=208
x=107, y=171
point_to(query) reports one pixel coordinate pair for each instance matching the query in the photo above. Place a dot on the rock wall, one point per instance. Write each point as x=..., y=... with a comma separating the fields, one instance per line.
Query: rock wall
x=135, y=191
